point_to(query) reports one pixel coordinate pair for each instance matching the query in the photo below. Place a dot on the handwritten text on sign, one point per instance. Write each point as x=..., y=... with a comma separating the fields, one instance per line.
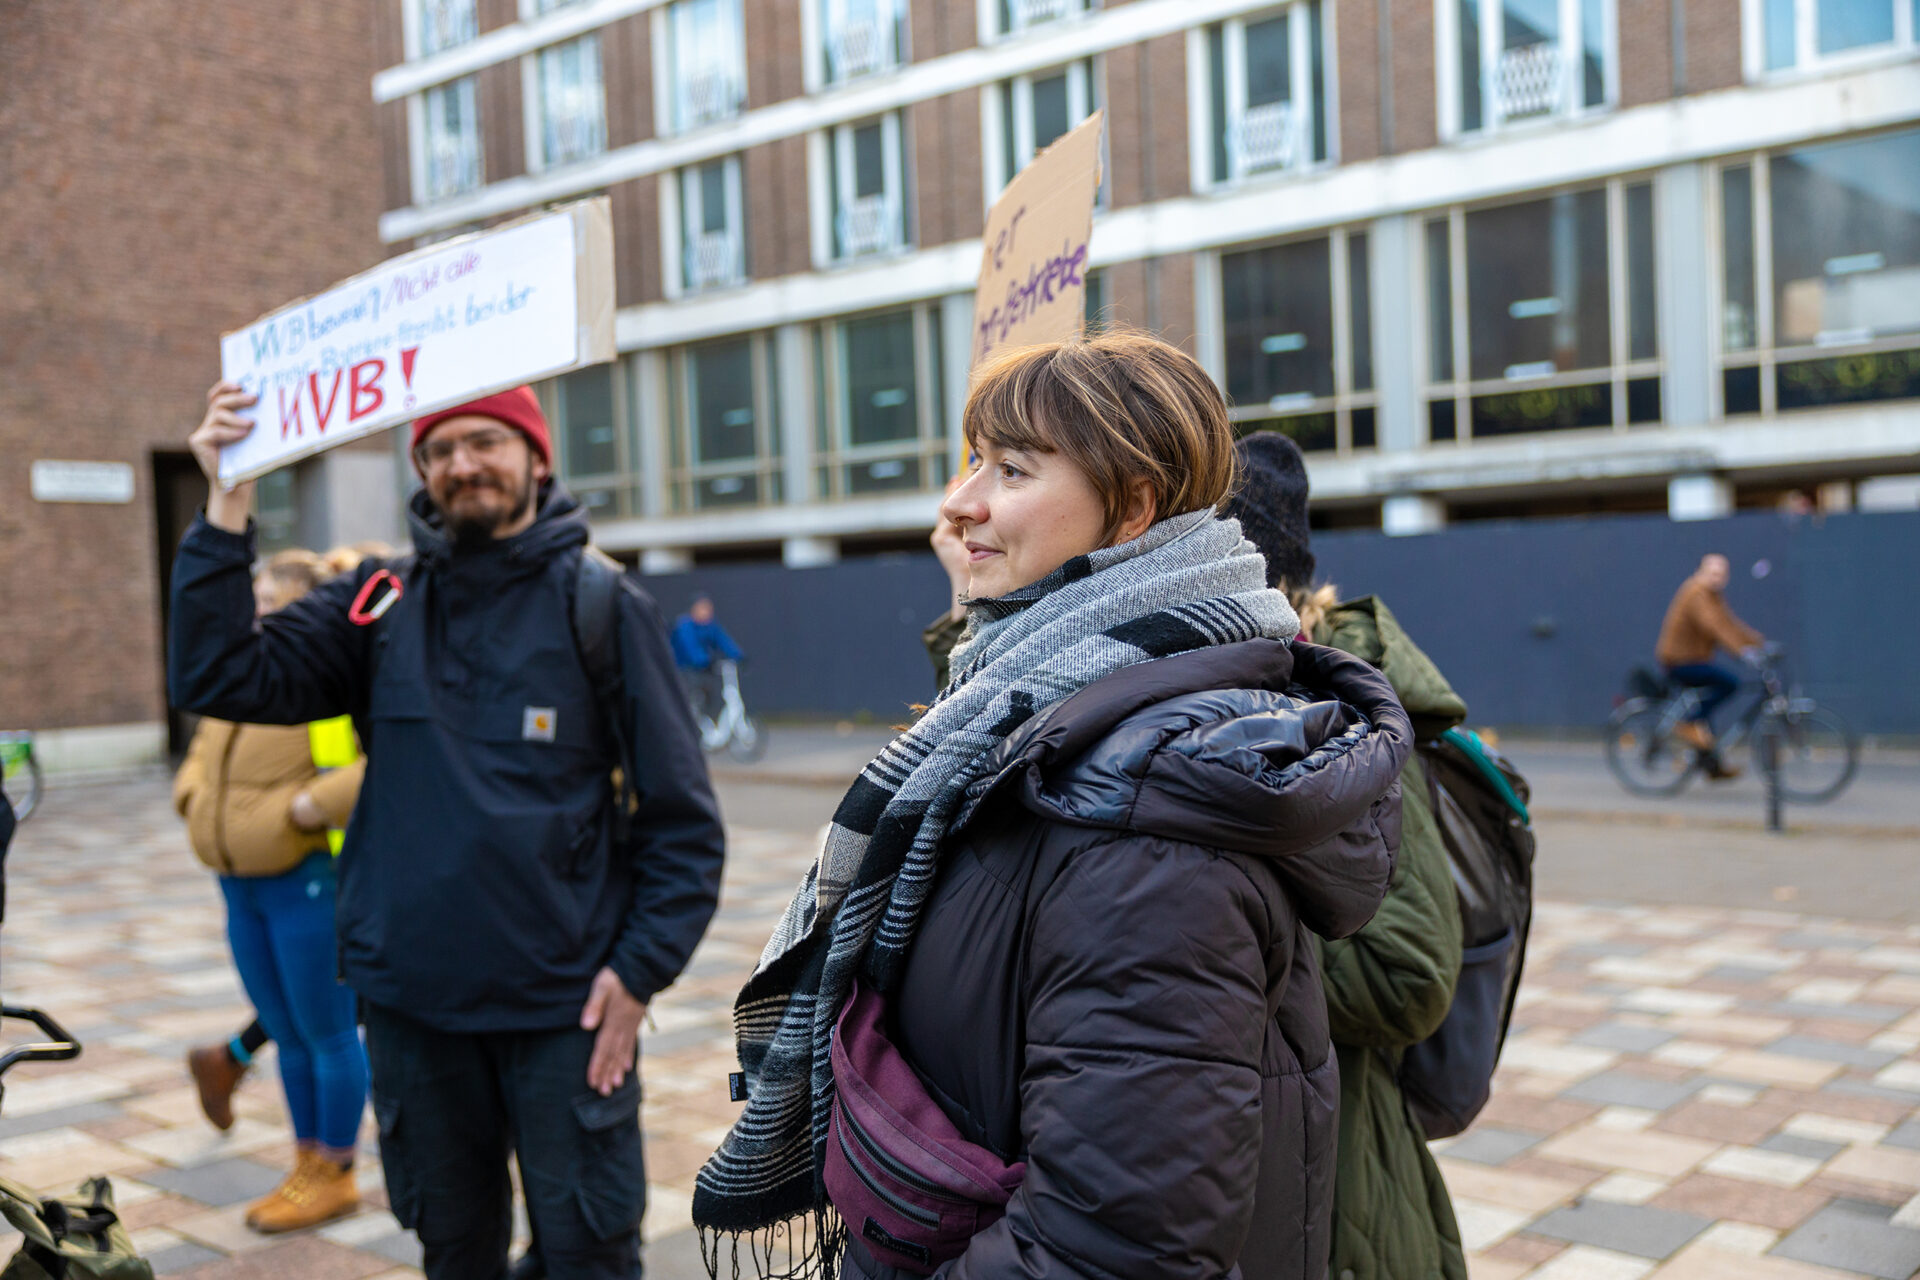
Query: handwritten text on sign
x=1033, y=263
x=432, y=329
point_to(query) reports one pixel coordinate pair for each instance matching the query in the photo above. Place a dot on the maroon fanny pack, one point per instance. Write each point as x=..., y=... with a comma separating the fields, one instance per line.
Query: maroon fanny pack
x=898, y=1171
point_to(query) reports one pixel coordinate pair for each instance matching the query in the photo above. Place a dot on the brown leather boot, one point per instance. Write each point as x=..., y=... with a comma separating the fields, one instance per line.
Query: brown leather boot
x=216, y=1075
x=317, y=1191
x=1695, y=735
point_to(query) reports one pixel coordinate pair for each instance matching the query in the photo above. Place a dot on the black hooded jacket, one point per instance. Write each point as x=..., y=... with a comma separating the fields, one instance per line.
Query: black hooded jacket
x=1114, y=979
x=480, y=887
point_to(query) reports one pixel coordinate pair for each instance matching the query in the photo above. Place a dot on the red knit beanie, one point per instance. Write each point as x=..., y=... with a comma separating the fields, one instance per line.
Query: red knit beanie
x=517, y=408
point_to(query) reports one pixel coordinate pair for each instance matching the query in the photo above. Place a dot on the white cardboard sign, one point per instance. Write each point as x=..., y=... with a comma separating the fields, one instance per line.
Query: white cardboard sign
x=433, y=328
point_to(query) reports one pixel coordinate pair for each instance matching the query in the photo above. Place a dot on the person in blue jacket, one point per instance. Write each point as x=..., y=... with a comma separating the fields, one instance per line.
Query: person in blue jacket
x=504, y=931
x=698, y=641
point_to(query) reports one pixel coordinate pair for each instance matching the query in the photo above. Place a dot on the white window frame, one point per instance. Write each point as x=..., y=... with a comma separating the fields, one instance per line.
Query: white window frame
x=1202, y=125
x=1026, y=16
x=1807, y=58
x=729, y=81
x=832, y=178
x=413, y=19
x=622, y=484
x=767, y=466
x=822, y=20
x=1768, y=352
x=1621, y=368
x=682, y=210
x=421, y=136
x=1345, y=400
x=1571, y=49
x=930, y=446
x=1084, y=97
x=535, y=103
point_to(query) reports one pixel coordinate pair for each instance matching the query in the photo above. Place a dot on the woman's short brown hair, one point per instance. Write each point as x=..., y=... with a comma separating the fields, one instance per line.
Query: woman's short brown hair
x=1123, y=407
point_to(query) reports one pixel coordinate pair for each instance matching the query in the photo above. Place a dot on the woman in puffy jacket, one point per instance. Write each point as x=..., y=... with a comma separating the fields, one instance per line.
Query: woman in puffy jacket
x=258, y=811
x=1079, y=895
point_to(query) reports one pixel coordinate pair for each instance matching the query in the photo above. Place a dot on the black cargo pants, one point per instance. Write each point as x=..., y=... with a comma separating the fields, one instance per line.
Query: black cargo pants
x=453, y=1106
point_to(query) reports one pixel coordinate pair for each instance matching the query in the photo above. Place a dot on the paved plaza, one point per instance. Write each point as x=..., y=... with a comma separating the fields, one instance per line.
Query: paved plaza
x=1691, y=1092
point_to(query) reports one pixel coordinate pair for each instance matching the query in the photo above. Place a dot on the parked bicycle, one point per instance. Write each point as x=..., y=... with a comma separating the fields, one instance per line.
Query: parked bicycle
x=21, y=769
x=1817, y=751
x=731, y=729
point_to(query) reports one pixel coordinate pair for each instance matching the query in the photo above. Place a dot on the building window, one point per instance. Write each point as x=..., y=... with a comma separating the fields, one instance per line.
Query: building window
x=1297, y=330
x=706, y=62
x=861, y=37
x=1097, y=316
x=584, y=412
x=1805, y=33
x=880, y=426
x=1267, y=101
x=1029, y=114
x=713, y=241
x=725, y=439
x=573, y=103
x=441, y=24
x=866, y=181
x=1820, y=293
x=1521, y=60
x=1010, y=17
x=451, y=139
x=1541, y=315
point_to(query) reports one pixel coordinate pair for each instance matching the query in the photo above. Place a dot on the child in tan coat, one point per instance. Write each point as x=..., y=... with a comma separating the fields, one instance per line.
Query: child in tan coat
x=258, y=811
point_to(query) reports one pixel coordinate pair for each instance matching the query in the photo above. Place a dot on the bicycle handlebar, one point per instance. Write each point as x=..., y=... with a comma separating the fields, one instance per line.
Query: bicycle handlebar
x=62, y=1047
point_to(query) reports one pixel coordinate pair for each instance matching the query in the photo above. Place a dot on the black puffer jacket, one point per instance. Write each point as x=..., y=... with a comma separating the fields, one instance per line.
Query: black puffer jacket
x=1114, y=979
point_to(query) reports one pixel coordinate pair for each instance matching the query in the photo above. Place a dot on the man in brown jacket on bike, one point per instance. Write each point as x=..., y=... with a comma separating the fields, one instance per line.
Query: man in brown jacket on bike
x=1699, y=624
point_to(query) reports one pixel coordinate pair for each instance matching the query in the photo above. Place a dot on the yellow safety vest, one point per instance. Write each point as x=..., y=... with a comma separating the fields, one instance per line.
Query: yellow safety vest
x=333, y=747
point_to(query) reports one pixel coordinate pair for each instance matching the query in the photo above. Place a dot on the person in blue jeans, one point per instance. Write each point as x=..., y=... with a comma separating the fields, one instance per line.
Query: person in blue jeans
x=698, y=641
x=258, y=811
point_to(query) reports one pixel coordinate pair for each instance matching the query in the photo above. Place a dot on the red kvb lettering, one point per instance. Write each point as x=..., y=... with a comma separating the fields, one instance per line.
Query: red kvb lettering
x=363, y=389
x=321, y=413
x=291, y=422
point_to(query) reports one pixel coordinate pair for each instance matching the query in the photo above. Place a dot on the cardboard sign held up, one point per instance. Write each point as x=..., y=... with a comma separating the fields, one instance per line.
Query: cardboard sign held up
x=437, y=327
x=1033, y=266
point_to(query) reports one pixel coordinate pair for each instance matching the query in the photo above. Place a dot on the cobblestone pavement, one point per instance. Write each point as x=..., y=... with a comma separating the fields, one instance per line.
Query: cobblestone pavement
x=1688, y=1094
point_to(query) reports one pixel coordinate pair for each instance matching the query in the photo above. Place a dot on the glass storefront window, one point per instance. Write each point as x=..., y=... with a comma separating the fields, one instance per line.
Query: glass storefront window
x=1820, y=281
x=884, y=426
x=726, y=448
x=1296, y=334
x=1544, y=347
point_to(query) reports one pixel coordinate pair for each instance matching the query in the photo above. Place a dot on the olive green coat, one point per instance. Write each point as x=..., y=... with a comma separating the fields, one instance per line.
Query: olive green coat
x=1389, y=987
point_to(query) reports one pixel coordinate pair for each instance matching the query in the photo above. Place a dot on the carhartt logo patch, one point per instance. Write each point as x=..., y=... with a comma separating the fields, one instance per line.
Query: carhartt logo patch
x=538, y=723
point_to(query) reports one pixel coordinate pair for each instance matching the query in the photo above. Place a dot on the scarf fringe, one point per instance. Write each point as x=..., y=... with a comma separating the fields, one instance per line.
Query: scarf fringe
x=806, y=1247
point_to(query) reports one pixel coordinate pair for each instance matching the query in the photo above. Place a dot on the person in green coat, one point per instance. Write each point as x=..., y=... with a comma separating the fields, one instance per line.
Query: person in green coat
x=1390, y=985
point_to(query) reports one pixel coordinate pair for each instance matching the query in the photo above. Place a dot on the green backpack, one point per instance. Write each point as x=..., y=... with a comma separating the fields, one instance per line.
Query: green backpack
x=78, y=1238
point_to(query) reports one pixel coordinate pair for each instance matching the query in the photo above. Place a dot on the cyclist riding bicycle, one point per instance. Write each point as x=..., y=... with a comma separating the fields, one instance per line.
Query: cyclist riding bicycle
x=698, y=641
x=1699, y=624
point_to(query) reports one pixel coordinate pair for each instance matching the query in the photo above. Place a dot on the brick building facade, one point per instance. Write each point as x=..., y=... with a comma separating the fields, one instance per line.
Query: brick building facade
x=169, y=172
x=1482, y=258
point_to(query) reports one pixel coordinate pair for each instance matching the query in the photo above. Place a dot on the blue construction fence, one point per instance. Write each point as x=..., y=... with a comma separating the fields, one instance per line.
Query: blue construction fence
x=1535, y=622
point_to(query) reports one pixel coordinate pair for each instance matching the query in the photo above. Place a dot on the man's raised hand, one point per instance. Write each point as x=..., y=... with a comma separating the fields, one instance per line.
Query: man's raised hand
x=224, y=425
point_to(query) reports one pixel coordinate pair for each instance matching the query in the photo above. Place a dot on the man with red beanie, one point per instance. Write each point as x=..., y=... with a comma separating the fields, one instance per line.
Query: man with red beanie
x=503, y=915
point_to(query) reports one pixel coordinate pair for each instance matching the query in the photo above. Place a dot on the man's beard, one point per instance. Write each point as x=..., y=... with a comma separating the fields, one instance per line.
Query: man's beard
x=471, y=532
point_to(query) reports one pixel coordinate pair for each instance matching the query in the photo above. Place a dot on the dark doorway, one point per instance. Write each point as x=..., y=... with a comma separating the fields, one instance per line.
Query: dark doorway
x=178, y=492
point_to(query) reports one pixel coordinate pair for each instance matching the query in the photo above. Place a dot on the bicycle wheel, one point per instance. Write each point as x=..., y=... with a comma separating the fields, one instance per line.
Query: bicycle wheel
x=24, y=792
x=1647, y=761
x=749, y=741
x=1818, y=754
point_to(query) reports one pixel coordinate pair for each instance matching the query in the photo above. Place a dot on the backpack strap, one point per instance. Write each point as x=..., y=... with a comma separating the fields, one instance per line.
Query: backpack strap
x=596, y=635
x=1469, y=746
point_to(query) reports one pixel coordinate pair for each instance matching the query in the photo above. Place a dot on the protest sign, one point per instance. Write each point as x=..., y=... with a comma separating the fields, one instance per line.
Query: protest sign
x=437, y=327
x=1033, y=264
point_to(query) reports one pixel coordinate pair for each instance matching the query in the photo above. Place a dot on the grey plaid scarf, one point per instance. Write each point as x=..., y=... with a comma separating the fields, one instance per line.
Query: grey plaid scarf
x=1188, y=582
